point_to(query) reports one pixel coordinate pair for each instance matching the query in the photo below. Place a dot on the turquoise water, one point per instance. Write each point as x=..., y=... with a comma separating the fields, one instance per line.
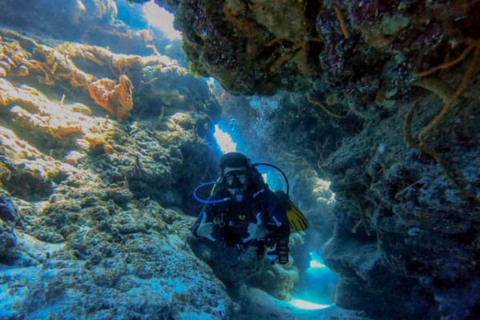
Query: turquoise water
x=318, y=286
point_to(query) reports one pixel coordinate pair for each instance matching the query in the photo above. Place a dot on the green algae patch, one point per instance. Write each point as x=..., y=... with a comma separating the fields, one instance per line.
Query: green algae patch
x=393, y=24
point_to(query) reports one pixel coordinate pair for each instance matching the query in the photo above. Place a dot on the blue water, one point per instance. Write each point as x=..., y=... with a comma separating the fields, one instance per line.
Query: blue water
x=318, y=285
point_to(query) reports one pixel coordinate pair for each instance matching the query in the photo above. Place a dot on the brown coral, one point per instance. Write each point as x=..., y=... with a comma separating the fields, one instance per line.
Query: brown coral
x=54, y=64
x=115, y=98
x=426, y=135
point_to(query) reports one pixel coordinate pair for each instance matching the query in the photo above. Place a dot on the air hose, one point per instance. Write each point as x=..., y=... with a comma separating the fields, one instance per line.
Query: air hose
x=228, y=199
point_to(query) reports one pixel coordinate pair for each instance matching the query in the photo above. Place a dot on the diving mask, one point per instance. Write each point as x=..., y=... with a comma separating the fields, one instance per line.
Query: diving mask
x=236, y=181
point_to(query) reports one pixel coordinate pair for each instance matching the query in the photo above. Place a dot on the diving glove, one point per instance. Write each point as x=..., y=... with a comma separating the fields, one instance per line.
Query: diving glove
x=256, y=231
x=205, y=229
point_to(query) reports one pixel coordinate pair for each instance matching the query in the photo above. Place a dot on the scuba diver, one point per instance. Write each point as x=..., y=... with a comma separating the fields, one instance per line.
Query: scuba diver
x=243, y=212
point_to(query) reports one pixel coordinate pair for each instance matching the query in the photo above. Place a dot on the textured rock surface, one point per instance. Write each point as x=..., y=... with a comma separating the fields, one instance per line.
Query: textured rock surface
x=397, y=206
x=90, y=209
x=348, y=48
x=406, y=239
x=406, y=236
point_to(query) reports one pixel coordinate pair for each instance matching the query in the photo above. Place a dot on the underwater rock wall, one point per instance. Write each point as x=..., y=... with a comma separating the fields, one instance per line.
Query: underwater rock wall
x=407, y=232
x=176, y=107
x=348, y=50
x=92, y=208
x=384, y=105
x=365, y=82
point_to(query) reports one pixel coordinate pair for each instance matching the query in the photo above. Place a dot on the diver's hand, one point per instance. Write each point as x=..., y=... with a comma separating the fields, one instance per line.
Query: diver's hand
x=256, y=231
x=205, y=229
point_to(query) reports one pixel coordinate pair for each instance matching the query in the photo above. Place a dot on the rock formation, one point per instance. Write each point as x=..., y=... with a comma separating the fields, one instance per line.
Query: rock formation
x=77, y=237
x=379, y=98
x=381, y=102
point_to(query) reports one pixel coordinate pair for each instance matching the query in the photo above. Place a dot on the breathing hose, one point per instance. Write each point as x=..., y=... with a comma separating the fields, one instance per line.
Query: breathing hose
x=228, y=199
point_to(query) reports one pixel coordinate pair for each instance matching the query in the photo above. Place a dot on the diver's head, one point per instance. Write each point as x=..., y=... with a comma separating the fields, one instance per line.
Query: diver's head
x=235, y=170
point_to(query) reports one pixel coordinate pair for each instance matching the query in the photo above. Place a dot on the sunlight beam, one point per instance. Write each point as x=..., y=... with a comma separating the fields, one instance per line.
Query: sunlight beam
x=307, y=305
x=161, y=19
x=224, y=140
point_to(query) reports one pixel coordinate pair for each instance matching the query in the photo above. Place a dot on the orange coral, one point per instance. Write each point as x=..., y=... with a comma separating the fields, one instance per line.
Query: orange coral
x=341, y=21
x=115, y=98
x=94, y=141
x=108, y=149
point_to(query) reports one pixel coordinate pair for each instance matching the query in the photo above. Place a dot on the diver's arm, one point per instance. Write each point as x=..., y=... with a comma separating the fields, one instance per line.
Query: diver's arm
x=199, y=221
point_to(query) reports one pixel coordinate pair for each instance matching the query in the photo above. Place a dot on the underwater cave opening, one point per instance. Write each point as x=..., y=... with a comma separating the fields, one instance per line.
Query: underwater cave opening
x=317, y=284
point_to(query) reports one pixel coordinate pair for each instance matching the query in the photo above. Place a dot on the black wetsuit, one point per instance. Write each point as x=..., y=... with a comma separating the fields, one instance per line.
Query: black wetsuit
x=231, y=219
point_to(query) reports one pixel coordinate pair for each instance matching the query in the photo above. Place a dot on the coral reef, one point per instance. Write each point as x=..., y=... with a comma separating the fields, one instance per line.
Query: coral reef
x=115, y=98
x=406, y=187
x=400, y=216
x=149, y=78
x=254, y=59
x=107, y=198
x=351, y=50
x=91, y=221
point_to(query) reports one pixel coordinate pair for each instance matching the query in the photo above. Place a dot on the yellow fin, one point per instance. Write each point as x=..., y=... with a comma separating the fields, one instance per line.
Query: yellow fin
x=296, y=218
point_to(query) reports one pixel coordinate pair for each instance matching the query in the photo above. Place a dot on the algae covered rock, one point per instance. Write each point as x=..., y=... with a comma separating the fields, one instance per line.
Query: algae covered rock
x=8, y=216
x=349, y=49
x=115, y=98
x=85, y=214
x=94, y=218
x=392, y=25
